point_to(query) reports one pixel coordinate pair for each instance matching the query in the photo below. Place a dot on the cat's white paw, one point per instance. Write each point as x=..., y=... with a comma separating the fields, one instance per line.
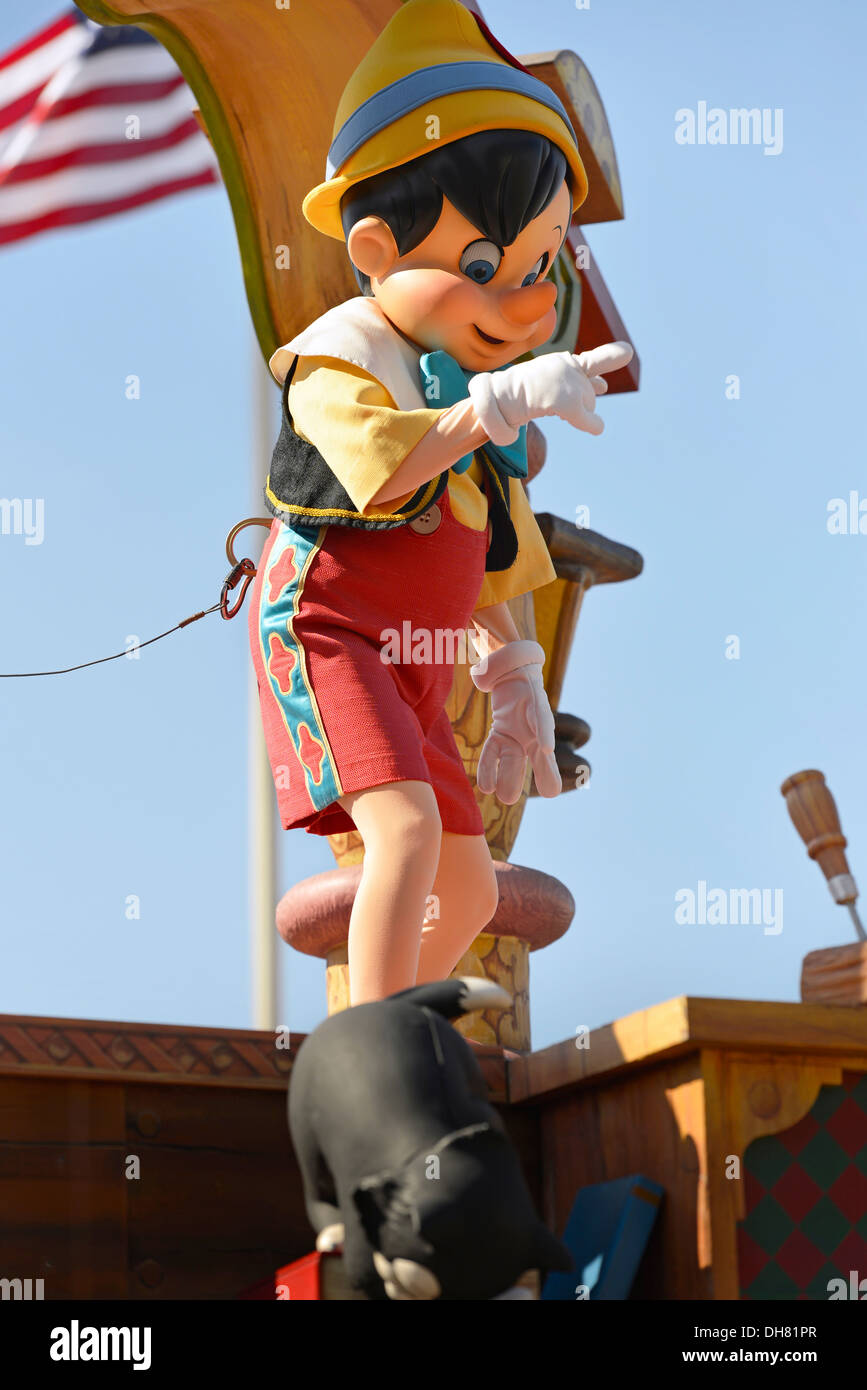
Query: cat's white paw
x=405, y=1280
x=330, y=1238
x=479, y=993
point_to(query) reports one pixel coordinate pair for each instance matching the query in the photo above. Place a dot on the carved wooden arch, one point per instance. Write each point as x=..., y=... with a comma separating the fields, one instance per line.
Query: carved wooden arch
x=267, y=78
x=267, y=81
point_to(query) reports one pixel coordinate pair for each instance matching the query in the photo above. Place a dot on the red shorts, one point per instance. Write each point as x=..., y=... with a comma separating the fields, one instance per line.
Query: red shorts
x=337, y=717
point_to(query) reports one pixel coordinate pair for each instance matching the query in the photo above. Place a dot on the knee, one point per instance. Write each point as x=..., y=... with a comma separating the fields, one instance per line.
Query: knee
x=411, y=834
x=416, y=845
x=418, y=827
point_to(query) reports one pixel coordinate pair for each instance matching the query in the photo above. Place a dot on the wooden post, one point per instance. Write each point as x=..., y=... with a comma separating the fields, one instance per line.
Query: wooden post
x=261, y=863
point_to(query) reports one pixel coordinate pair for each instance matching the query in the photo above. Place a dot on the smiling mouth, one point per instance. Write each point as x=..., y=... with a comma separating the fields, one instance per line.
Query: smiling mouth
x=496, y=342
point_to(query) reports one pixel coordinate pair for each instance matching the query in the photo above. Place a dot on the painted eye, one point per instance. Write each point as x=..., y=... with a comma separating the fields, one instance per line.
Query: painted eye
x=537, y=270
x=480, y=261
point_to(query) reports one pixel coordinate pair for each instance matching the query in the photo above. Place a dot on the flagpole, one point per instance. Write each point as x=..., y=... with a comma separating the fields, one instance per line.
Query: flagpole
x=262, y=886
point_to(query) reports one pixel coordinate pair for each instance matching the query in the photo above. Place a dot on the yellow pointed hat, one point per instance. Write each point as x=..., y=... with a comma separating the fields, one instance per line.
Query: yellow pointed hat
x=433, y=60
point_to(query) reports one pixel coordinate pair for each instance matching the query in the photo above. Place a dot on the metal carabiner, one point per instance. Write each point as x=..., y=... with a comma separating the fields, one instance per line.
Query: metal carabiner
x=241, y=569
x=244, y=570
x=267, y=521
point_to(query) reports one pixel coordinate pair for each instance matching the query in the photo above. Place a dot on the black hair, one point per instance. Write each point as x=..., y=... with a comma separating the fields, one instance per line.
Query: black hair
x=500, y=180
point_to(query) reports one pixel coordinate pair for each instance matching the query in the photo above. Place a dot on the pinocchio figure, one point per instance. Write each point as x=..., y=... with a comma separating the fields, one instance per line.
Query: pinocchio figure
x=396, y=480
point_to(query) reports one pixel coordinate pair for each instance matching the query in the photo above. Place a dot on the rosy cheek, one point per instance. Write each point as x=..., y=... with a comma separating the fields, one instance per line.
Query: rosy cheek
x=461, y=304
x=418, y=294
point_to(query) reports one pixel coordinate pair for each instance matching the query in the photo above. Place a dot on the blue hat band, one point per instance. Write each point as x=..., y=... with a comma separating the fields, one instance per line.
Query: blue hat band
x=417, y=88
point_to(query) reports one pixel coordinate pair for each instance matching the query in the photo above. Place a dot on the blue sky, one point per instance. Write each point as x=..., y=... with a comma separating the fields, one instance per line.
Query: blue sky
x=130, y=779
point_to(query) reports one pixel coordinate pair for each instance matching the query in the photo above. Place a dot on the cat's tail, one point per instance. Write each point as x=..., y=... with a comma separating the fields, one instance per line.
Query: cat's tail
x=461, y=995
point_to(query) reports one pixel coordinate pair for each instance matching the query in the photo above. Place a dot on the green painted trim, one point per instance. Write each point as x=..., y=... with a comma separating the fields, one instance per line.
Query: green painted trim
x=569, y=298
x=224, y=148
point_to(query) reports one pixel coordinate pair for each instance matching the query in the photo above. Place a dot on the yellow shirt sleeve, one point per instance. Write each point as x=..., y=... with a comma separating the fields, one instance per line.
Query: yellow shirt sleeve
x=356, y=426
x=364, y=438
x=532, y=567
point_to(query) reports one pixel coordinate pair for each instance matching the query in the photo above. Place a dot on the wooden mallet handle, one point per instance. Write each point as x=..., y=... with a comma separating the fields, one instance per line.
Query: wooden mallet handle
x=814, y=812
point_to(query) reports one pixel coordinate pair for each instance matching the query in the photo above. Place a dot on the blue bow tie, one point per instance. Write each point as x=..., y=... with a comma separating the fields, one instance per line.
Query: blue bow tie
x=445, y=383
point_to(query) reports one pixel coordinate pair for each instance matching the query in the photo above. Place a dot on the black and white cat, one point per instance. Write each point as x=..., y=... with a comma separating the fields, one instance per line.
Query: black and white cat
x=404, y=1161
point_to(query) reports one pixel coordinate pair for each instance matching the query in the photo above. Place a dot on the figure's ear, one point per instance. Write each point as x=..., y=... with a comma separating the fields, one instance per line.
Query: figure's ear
x=549, y=1253
x=372, y=247
x=458, y=995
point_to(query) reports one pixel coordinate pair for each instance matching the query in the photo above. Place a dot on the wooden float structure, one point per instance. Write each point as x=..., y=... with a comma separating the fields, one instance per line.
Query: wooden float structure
x=752, y=1116
x=675, y=1092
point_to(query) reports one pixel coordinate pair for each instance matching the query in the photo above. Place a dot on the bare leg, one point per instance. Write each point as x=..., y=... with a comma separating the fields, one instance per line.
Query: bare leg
x=400, y=826
x=465, y=899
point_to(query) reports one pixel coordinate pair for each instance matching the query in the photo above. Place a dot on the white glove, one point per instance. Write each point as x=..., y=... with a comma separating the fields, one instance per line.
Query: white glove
x=523, y=725
x=557, y=383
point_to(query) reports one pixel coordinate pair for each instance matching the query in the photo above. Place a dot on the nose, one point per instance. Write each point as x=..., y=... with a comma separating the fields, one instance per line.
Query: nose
x=528, y=304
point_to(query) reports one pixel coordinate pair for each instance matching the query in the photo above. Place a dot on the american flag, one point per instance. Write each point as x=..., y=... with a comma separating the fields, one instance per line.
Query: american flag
x=93, y=121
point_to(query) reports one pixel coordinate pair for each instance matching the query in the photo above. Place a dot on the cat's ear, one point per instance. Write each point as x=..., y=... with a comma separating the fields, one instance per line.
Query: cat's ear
x=461, y=994
x=548, y=1253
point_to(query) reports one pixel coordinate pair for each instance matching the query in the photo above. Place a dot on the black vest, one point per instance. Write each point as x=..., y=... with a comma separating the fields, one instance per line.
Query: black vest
x=301, y=490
